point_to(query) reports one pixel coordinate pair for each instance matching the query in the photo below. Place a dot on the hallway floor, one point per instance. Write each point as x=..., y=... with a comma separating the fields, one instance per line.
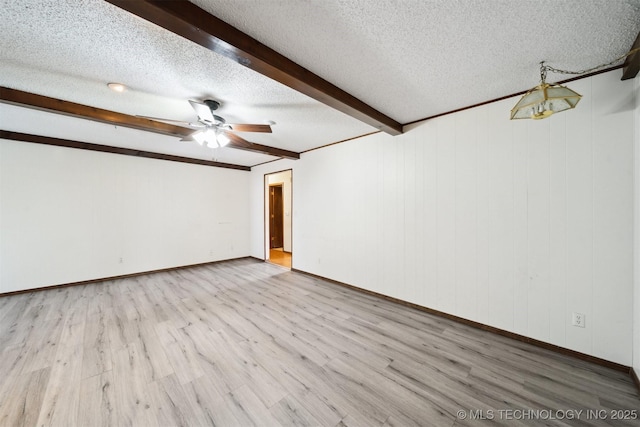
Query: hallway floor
x=280, y=257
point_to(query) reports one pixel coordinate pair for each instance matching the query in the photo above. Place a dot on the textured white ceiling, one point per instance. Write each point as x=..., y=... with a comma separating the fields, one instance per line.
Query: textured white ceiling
x=70, y=49
x=412, y=59
x=409, y=59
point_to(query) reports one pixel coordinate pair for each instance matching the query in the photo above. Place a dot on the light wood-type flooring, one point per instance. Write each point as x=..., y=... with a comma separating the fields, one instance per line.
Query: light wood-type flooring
x=280, y=257
x=244, y=343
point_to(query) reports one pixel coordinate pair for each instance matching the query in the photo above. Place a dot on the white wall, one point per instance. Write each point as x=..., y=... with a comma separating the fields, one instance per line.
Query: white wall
x=70, y=215
x=636, y=277
x=283, y=178
x=513, y=224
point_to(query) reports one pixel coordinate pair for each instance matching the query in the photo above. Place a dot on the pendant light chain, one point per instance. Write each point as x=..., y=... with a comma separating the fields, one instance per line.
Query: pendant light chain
x=543, y=72
x=544, y=68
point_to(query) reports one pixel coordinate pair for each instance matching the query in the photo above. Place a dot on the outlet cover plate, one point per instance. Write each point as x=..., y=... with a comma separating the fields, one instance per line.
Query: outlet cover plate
x=578, y=320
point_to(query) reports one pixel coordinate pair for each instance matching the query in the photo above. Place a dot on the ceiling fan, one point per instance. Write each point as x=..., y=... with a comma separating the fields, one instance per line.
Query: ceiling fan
x=213, y=130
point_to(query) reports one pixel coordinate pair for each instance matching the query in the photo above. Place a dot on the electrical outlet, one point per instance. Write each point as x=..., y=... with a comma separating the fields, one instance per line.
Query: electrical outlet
x=578, y=320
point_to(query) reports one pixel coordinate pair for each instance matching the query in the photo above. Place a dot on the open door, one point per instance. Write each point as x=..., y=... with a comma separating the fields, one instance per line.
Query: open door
x=278, y=197
x=276, y=217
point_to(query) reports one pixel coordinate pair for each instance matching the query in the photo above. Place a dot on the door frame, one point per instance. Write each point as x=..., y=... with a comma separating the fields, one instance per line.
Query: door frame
x=265, y=220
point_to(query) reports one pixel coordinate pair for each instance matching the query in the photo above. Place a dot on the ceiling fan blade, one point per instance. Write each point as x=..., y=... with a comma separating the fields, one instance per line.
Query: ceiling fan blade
x=250, y=128
x=178, y=122
x=203, y=111
x=237, y=140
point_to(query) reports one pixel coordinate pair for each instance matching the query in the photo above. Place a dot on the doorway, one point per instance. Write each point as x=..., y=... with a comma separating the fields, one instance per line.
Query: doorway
x=278, y=215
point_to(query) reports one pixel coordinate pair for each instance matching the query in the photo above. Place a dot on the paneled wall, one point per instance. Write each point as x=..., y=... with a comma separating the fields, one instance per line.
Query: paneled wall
x=70, y=215
x=636, y=281
x=513, y=224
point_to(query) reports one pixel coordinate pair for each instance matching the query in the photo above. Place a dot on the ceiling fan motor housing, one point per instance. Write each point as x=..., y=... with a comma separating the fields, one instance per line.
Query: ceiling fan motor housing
x=212, y=104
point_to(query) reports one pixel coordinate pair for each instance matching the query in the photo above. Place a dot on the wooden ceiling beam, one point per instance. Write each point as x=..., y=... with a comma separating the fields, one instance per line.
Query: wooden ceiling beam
x=60, y=142
x=185, y=19
x=632, y=63
x=44, y=103
x=242, y=144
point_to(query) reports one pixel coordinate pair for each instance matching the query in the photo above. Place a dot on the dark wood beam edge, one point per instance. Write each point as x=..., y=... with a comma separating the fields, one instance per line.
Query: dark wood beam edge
x=242, y=144
x=264, y=149
x=46, y=140
x=44, y=103
x=632, y=63
x=59, y=106
x=185, y=19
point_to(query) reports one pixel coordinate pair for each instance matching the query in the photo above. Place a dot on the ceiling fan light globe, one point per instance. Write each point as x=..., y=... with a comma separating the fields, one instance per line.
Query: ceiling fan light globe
x=199, y=137
x=222, y=139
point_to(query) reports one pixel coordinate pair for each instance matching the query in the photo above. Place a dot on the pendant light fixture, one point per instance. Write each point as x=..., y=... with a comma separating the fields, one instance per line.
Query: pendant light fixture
x=546, y=99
